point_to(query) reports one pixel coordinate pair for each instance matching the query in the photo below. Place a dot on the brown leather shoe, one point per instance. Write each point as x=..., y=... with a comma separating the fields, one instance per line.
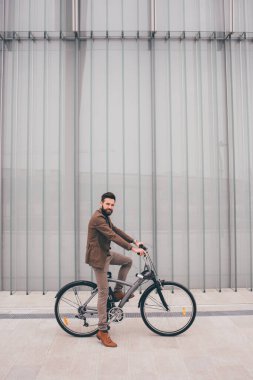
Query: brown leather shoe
x=105, y=339
x=119, y=295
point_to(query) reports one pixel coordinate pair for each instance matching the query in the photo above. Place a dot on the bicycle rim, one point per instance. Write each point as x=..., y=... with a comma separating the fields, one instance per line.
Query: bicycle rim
x=72, y=316
x=179, y=317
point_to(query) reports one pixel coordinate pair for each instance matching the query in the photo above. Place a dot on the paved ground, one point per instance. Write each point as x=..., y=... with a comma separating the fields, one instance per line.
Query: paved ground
x=219, y=345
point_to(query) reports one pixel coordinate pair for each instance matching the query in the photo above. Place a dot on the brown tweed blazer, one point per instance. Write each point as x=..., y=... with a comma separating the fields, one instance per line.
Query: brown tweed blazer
x=100, y=235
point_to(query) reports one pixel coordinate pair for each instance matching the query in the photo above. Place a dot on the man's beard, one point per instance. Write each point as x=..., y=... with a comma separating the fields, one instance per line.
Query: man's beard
x=106, y=212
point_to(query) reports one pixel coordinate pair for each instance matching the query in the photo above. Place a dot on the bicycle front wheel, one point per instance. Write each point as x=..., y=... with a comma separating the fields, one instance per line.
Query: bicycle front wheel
x=181, y=313
x=76, y=308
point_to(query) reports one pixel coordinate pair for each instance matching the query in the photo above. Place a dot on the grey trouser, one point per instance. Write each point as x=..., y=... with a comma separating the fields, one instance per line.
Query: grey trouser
x=102, y=283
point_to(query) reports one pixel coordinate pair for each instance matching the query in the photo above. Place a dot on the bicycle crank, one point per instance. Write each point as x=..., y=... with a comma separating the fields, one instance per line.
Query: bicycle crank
x=115, y=314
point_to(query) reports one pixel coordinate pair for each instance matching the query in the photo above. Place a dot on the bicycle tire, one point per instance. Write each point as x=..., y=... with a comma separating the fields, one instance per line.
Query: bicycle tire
x=182, y=311
x=88, y=286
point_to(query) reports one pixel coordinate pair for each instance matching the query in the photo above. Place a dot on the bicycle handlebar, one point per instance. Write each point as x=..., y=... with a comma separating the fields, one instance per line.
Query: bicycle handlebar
x=147, y=258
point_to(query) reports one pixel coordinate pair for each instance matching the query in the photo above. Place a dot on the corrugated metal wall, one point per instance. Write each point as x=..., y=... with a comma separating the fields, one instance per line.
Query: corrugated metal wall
x=148, y=99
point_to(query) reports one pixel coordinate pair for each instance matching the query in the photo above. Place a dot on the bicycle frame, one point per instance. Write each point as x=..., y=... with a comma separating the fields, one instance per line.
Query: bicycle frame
x=132, y=288
x=149, y=274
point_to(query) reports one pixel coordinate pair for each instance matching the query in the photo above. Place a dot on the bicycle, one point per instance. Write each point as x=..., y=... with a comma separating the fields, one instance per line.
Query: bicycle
x=167, y=308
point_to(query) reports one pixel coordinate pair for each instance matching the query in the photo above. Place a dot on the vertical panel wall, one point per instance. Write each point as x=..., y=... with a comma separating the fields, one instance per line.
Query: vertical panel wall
x=161, y=117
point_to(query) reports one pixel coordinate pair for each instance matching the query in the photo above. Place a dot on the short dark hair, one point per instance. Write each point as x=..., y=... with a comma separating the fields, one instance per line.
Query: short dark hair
x=108, y=195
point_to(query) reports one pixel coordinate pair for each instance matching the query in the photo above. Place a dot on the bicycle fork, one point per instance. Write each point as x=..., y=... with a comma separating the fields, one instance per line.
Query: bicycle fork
x=159, y=288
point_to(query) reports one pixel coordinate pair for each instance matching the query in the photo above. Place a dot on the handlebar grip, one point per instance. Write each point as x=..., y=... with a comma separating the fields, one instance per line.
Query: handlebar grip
x=143, y=247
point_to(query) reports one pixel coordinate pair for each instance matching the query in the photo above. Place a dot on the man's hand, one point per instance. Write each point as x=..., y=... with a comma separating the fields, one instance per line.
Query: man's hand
x=138, y=243
x=139, y=251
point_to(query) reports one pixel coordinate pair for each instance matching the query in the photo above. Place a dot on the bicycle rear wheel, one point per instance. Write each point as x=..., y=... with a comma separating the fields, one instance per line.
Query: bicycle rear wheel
x=76, y=308
x=181, y=313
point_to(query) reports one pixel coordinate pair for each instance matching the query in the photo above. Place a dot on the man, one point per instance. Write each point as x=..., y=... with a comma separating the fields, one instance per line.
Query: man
x=101, y=232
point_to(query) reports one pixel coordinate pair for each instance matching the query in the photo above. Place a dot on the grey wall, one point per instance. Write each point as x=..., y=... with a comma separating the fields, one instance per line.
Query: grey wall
x=165, y=123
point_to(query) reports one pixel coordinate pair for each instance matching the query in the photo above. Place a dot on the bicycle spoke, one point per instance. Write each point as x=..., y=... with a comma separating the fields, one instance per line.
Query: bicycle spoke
x=70, y=303
x=77, y=297
x=155, y=307
x=155, y=301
